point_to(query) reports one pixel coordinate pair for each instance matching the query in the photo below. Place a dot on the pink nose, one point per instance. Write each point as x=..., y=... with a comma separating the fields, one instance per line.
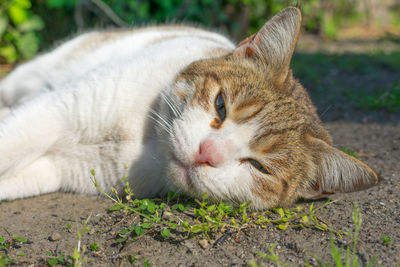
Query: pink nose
x=210, y=153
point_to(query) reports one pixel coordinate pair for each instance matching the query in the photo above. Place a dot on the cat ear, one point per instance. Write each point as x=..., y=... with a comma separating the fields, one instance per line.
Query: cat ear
x=274, y=43
x=336, y=172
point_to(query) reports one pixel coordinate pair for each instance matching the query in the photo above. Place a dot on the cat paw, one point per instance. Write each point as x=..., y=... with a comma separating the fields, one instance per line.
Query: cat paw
x=19, y=86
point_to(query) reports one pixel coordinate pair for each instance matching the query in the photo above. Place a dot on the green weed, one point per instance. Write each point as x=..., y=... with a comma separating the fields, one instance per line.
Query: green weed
x=55, y=259
x=77, y=256
x=94, y=247
x=16, y=238
x=170, y=219
x=386, y=239
x=350, y=252
x=350, y=152
x=4, y=260
x=76, y=259
x=294, y=217
x=4, y=245
x=272, y=256
x=340, y=256
x=68, y=226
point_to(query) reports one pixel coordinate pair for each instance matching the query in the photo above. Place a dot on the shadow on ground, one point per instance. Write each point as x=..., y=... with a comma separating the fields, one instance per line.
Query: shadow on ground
x=352, y=86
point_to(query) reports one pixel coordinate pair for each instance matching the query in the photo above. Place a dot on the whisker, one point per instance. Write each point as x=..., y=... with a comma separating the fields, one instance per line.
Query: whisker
x=326, y=110
x=162, y=124
x=171, y=104
x=167, y=123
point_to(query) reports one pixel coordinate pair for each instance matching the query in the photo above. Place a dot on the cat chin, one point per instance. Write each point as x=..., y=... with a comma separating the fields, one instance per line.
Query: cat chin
x=186, y=178
x=180, y=175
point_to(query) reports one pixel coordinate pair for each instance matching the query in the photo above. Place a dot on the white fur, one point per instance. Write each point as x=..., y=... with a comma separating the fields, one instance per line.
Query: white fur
x=72, y=112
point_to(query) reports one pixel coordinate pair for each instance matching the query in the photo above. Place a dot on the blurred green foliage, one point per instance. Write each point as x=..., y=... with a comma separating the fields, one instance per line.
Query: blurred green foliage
x=18, y=30
x=28, y=25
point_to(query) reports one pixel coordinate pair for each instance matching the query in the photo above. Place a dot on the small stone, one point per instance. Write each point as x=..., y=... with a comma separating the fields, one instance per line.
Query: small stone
x=203, y=243
x=278, y=247
x=381, y=203
x=55, y=237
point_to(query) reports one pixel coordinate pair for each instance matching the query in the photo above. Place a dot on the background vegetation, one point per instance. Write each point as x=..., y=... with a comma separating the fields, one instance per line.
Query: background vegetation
x=27, y=26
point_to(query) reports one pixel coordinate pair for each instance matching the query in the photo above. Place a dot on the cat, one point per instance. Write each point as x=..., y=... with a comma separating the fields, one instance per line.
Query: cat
x=174, y=108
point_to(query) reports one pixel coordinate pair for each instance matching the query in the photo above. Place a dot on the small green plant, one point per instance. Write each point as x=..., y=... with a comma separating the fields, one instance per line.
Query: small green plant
x=77, y=256
x=76, y=259
x=132, y=259
x=215, y=217
x=5, y=260
x=16, y=238
x=4, y=245
x=350, y=253
x=294, y=217
x=149, y=212
x=55, y=259
x=386, y=239
x=272, y=256
x=94, y=247
x=350, y=152
x=68, y=226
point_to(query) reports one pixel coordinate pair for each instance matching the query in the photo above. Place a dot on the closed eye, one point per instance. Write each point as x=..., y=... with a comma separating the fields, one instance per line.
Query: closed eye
x=258, y=166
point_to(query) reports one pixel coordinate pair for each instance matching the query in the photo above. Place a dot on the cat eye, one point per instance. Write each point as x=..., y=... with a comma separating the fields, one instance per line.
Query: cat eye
x=258, y=166
x=220, y=107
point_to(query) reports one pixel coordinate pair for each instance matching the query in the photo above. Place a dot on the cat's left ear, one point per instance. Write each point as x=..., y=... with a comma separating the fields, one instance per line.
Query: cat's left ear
x=273, y=45
x=333, y=171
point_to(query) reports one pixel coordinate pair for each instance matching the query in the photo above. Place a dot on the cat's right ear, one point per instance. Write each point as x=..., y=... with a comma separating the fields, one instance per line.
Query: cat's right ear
x=273, y=45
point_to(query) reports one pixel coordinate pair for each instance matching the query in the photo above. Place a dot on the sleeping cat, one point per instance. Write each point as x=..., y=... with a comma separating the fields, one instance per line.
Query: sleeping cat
x=182, y=108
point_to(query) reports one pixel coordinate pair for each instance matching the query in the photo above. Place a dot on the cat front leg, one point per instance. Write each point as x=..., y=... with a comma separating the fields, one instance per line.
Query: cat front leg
x=27, y=133
x=39, y=177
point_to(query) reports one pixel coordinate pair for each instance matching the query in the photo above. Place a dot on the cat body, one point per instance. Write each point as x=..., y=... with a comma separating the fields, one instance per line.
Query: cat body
x=89, y=111
x=172, y=108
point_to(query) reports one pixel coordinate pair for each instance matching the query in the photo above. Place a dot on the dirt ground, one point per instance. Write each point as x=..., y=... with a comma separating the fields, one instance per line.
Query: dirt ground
x=375, y=135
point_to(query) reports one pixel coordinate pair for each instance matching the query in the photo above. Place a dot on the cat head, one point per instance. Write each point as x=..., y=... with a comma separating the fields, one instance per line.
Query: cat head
x=244, y=129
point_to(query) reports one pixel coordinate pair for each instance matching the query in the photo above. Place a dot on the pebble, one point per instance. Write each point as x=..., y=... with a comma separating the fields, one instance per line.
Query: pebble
x=278, y=247
x=203, y=243
x=381, y=203
x=55, y=237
